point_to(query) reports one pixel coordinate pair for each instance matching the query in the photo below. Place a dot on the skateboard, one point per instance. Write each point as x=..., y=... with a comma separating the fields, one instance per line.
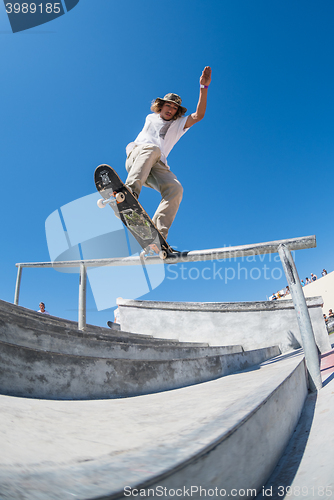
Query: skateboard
x=129, y=210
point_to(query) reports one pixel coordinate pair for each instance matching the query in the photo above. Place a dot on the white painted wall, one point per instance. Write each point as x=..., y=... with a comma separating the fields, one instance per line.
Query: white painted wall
x=252, y=324
x=324, y=287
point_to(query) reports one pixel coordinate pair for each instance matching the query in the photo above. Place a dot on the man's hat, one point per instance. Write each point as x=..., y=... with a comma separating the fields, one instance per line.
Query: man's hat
x=176, y=99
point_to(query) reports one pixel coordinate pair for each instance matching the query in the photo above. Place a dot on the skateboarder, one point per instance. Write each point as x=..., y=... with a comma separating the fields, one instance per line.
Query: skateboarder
x=146, y=161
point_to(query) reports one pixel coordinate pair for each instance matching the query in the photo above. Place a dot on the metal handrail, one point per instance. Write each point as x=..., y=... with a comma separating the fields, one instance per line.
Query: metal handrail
x=191, y=256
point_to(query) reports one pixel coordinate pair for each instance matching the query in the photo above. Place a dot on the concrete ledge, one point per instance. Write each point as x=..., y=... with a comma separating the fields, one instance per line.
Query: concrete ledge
x=38, y=374
x=19, y=322
x=22, y=316
x=251, y=324
x=65, y=343
x=94, y=449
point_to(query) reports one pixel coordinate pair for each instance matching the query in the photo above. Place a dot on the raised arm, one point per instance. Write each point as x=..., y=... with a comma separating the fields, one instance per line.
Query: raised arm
x=205, y=80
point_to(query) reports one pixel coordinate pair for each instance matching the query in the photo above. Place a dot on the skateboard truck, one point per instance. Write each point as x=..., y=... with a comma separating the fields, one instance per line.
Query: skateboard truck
x=119, y=197
x=153, y=249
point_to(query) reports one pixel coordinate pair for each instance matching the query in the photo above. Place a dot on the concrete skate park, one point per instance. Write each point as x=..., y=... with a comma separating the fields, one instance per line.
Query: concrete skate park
x=187, y=399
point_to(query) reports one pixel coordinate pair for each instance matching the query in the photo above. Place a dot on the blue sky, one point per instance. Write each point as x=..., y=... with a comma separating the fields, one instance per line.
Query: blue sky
x=259, y=167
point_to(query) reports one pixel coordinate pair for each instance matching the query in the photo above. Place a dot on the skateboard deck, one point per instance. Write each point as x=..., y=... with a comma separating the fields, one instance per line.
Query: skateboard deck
x=130, y=211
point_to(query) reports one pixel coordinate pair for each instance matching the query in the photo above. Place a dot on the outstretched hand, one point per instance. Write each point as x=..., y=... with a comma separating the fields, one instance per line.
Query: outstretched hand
x=205, y=78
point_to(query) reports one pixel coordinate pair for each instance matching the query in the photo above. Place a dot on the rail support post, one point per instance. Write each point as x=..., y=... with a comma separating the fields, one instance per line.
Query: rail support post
x=303, y=318
x=82, y=297
x=17, y=286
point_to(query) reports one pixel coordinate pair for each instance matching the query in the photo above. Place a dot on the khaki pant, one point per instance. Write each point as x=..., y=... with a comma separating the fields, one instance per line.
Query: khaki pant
x=145, y=168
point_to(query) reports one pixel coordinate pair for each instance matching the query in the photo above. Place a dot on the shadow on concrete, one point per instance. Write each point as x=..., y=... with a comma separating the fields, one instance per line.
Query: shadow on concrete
x=327, y=367
x=329, y=379
x=287, y=355
x=275, y=359
x=292, y=341
x=287, y=467
x=326, y=354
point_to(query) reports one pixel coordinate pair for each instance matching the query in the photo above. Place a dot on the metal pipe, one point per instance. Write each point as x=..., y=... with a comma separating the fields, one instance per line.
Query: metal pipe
x=192, y=256
x=18, y=285
x=82, y=298
x=303, y=318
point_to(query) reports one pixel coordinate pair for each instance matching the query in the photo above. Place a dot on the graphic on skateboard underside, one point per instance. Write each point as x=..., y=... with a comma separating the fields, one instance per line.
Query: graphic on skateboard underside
x=137, y=224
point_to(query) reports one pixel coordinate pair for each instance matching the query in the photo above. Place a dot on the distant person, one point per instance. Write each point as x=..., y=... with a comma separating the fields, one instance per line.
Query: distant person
x=302, y=283
x=307, y=281
x=42, y=308
x=314, y=277
x=324, y=272
x=146, y=161
x=330, y=313
x=325, y=318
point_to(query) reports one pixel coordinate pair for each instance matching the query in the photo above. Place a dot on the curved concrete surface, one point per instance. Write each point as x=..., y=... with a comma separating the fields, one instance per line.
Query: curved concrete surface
x=40, y=374
x=23, y=317
x=21, y=329
x=306, y=468
x=94, y=449
x=251, y=324
x=18, y=325
x=62, y=344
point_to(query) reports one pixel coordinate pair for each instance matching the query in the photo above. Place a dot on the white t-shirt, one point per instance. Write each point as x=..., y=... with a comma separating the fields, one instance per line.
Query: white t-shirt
x=162, y=133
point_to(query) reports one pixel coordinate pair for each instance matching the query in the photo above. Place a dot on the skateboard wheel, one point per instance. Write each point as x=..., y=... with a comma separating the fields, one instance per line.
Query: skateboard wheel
x=163, y=254
x=120, y=197
x=101, y=203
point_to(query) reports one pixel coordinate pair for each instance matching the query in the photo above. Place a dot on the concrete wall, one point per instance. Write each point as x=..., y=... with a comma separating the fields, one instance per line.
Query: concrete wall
x=38, y=374
x=251, y=324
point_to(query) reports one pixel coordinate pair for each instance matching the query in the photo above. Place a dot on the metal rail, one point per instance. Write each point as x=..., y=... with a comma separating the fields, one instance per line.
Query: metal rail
x=192, y=256
x=282, y=247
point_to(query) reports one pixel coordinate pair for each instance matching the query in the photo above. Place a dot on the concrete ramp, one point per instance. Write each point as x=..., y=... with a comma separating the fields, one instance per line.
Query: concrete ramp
x=104, y=347
x=45, y=375
x=226, y=434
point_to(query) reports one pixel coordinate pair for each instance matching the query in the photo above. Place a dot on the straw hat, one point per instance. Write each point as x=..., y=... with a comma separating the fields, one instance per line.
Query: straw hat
x=176, y=99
